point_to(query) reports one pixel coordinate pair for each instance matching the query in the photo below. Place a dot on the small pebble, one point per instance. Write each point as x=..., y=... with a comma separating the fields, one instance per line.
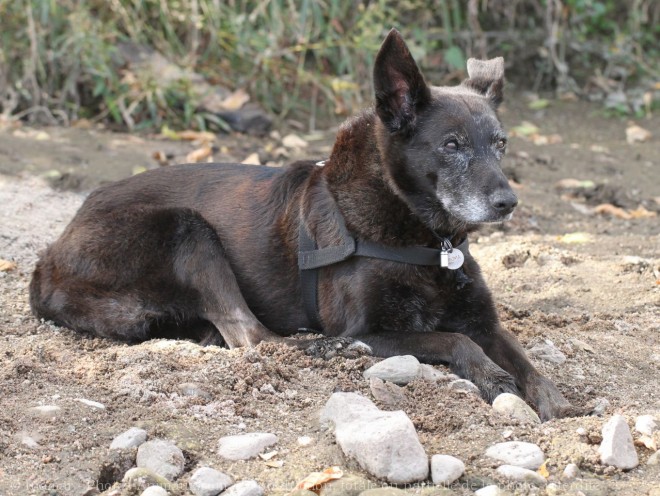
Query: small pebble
x=654, y=459
x=518, y=453
x=430, y=373
x=570, y=472
x=93, y=404
x=397, y=369
x=305, y=440
x=617, y=448
x=154, y=491
x=548, y=352
x=244, y=488
x=646, y=424
x=132, y=438
x=46, y=410
x=512, y=405
x=245, y=446
x=464, y=385
x=581, y=431
x=162, y=457
x=388, y=393
x=445, y=469
x=507, y=434
x=207, y=481
x=520, y=474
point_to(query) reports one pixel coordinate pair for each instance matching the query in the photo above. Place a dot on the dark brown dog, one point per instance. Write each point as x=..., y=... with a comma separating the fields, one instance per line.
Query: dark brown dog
x=170, y=250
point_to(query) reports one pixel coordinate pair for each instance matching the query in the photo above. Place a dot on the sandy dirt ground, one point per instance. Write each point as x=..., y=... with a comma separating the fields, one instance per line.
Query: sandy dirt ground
x=588, y=282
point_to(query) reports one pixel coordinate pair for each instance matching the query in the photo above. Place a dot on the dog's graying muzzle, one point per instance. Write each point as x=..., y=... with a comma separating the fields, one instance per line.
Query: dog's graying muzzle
x=503, y=201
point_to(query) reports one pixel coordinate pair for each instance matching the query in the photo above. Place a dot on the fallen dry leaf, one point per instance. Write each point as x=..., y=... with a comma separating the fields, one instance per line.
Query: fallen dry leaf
x=609, y=209
x=252, y=159
x=575, y=238
x=647, y=441
x=315, y=479
x=236, y=100
x=6, y=265
x=637, y=134
x=294, y=141
x=274, y=464
x=160, y=157
x=199, y=154
x=201, y=136
x=268, y=456
x=542, y=139
x=543, y=470
x=525, y=129
x=641, y=213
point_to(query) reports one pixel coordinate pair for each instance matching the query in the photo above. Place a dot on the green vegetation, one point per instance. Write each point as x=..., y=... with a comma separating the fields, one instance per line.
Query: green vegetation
x=60, y=60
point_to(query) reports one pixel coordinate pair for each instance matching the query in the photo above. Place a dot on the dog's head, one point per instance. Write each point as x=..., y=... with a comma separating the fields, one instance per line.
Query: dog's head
x=442, y=146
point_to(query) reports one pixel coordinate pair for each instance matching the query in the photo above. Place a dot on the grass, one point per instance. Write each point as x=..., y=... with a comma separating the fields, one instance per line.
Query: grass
x=303, y=60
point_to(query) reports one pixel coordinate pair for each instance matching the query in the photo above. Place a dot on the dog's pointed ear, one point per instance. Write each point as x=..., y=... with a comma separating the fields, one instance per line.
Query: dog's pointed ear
x=487, y=78
x=399, y=84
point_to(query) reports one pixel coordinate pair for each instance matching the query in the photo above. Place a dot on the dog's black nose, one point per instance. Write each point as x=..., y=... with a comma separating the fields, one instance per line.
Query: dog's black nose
x=504, y=201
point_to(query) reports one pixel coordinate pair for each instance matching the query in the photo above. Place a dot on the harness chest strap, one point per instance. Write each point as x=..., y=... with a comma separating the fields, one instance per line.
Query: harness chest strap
x=311, y=258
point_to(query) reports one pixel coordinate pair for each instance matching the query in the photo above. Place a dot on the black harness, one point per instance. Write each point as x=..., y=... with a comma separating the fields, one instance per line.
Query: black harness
x=311, y=258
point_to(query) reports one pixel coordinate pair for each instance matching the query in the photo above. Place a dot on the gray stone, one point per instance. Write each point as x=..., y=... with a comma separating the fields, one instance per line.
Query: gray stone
x=513, y=406
x=388, y=393
x=161, y=457
x=154, y=491
x=570, y=472
x=385, y=444
x=617, y=448
x=207, y=481
x=464, y=385
x=520, y=474
x=445, y=469
x=646, y=424
x=132, y=438
x=348, y=485
x=397, y=369
x=430, y=373
x=654, y=459
x=518, y=453
x=548, y=352
x=245, y=446
x=492, y=490
x=244, y=488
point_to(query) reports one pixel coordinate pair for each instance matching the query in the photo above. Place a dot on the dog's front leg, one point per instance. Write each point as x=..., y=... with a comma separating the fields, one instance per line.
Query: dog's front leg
x=503, y=348
x=459, y=352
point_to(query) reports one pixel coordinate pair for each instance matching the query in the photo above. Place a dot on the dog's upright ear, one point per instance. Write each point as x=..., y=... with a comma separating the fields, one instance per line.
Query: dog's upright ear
x=487, y=77
x=399, y=84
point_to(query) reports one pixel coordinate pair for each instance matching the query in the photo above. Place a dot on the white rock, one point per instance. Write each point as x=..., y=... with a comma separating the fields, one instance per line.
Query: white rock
x=570, y=472
x=492, y=490
x=130, y=439
x=245, y=446
x=207, y=481
x=512, y=405
x=446, y=469
x=654, y=459
x=397, y=369
x=520, y=474
x=385, y=444
x=154, y=491
x=518, y=453
x=617, y=448
x=464, y=385
x=46, y=410
x=305, y=440
x=244, y=488
x=646, y=424
x=161, y=457
x=93, y=404
x=549, y=352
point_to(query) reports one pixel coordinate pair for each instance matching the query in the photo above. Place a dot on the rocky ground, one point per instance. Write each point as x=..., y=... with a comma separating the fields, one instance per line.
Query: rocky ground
x=576, y=275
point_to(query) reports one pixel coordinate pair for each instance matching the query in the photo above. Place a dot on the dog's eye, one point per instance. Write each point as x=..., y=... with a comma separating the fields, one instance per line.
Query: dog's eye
x=451, y=145
x=501, y=144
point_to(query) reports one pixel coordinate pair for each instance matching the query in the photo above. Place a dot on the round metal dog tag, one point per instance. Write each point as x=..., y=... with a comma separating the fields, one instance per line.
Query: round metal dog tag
x=456, y=259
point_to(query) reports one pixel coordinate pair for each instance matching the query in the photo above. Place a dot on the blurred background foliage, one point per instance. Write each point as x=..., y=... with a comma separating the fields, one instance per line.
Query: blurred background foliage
x=307, y=61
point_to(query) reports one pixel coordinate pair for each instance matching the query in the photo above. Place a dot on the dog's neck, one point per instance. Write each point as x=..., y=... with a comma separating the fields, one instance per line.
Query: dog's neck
x=369, y=199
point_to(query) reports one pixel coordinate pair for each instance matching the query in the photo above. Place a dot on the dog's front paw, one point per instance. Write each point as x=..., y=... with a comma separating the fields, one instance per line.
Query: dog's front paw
x=493, y=381
x=328, y=348
x=550, y=403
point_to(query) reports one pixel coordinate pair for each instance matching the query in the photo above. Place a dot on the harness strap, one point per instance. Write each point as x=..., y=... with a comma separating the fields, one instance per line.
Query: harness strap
x=311, y=258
